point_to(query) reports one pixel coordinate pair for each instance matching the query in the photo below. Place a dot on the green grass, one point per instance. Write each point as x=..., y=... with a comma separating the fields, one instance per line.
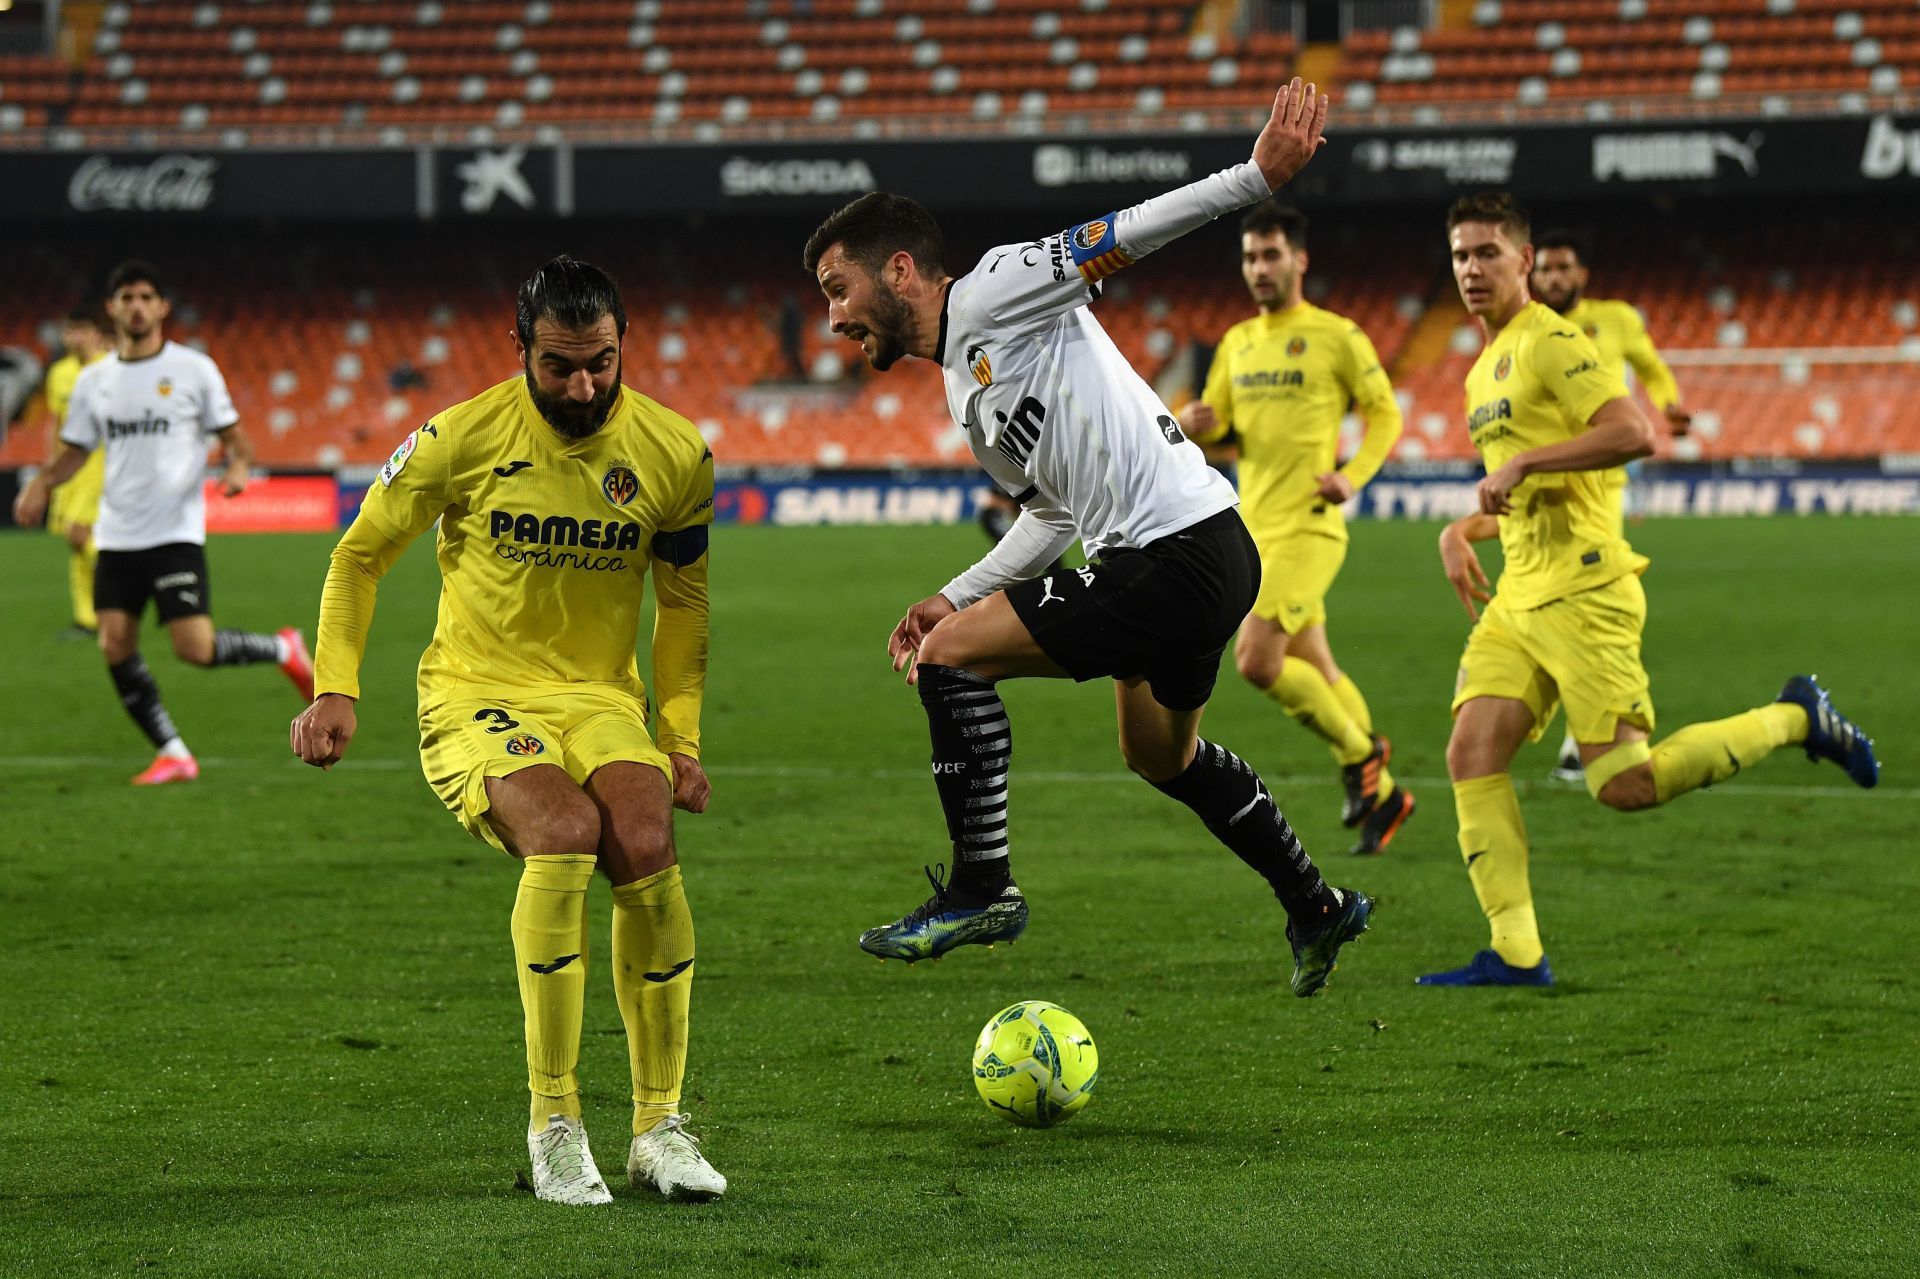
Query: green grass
x=265, y=1025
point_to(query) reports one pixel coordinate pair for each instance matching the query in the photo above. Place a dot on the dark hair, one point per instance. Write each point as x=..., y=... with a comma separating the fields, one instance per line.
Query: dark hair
x=1269, y=216
x=571, y=293
x=87, y=316
x=1563, y=239
x=1492, y=206
x=873, y=229
x=134, y=271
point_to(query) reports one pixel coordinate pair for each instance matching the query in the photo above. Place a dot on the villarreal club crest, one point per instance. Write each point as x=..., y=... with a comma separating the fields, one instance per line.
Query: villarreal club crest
x=620, y=484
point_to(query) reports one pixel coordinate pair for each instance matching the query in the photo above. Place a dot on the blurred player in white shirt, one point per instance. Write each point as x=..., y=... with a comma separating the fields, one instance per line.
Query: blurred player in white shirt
x=152, y=406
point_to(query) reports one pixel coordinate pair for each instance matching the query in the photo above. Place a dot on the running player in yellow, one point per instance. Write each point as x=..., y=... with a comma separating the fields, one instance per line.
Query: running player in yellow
x=1280, y=384
x=1560, y=280
x=75, y=507
x=555, y=494
x=1549, y=418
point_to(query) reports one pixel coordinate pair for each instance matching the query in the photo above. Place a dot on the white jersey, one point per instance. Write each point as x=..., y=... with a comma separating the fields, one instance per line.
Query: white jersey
x=153, y=417
x=1053, y=412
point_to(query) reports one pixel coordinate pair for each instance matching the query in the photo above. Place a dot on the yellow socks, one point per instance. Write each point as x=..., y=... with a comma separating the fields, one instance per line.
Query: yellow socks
x=653, y=978
x=80, y=583
x=550, y=954
x=1702, y=754
x=1493, y=840
x=1349, y=694
x=1305, y=695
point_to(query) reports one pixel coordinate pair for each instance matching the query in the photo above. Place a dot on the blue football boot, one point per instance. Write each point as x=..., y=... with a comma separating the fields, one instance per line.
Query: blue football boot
x=1831, y=735
x=947, y=919
x=1313, y=956
x=1488, y=969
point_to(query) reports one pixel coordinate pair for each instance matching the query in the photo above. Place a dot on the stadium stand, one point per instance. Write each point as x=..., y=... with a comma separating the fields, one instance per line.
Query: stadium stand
x=1787, y=346
x=1789, y=343
x=868, y=66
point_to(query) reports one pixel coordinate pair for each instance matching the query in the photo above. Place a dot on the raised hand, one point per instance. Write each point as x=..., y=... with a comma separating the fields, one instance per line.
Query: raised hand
x=1293, y=133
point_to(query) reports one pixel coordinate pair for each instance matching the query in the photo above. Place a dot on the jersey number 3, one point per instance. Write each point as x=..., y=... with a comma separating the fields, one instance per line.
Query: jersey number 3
x=497, y=721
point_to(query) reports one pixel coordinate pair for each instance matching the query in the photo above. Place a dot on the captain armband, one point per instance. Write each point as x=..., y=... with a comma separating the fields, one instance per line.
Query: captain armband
x=681, y=547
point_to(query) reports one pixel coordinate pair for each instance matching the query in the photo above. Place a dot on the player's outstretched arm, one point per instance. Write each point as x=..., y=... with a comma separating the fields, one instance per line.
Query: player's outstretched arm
x=320, y=734
x=680, y=650
x=1291, y=136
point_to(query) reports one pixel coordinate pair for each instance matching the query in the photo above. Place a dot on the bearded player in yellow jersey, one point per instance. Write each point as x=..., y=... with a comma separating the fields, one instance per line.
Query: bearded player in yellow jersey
x=1280, y=384
x=76, y=504
x=1549, y=417
x=1559, y=279
x=555, y=494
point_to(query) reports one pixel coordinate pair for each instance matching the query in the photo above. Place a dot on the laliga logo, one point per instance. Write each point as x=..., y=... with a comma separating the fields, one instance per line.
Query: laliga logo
x=167, y=184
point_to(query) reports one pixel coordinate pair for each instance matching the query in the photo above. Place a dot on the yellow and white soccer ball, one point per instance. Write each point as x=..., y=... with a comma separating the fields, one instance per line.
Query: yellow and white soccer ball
x=1035, y=1064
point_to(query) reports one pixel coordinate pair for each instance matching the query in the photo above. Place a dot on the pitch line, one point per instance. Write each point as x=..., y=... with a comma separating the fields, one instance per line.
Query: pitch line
x=1115, y=776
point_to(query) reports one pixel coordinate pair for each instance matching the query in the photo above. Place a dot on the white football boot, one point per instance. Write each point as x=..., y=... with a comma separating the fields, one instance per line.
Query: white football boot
x=563, y=1168
x=667, y=1158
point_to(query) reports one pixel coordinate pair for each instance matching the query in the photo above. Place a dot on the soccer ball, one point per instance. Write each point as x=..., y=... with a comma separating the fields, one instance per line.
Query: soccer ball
x=1035, y=1064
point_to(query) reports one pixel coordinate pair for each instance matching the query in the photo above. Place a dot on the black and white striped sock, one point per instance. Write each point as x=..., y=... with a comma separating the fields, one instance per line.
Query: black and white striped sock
x=244, y=648
x=1226, y=794
x=972, y=747
x=141, y=696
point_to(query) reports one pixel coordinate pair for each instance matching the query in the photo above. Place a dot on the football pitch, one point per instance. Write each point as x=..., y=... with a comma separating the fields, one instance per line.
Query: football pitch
x=266, y=1024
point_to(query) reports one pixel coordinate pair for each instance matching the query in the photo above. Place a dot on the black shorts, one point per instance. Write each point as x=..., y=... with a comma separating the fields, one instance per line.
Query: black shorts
x=1164, y=611
x=174, y=576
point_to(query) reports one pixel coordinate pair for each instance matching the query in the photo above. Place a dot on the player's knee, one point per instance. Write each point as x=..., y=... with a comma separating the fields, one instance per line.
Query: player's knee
x=571, y=829
x=116, y=648
x=1154, y=762
x=1257, y=666
x=632, y=855
x=194, y=652
x=945, y=645
x=1466, y=757
x=1631, y=791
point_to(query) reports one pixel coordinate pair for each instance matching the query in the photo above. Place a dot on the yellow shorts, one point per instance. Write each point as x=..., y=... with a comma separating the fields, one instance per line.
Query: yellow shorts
x=78, y=500
x=1295, y=575
x=1583, y=650
x=466, y=740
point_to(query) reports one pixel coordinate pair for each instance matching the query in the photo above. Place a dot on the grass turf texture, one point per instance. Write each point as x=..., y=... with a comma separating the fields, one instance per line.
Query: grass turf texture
x=266, y=1024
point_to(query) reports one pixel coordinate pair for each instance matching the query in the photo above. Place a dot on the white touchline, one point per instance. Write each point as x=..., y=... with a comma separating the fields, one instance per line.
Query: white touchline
x=1118, y=776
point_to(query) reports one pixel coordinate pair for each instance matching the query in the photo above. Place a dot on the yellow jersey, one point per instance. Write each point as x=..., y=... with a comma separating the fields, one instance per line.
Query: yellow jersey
x=61, y=375
x=1621, y=334
x=1539, y=381
x=80, y=495
x=544, y=546
x=1280, y=383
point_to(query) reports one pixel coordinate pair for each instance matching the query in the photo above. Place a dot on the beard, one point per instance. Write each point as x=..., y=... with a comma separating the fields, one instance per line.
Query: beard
x=573, y=420
x=1561, y=300
x=892, y=321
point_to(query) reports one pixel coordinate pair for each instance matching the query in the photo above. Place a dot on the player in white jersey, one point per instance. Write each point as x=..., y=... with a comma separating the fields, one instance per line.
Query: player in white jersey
x=152, y=405
x=1058, y=419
